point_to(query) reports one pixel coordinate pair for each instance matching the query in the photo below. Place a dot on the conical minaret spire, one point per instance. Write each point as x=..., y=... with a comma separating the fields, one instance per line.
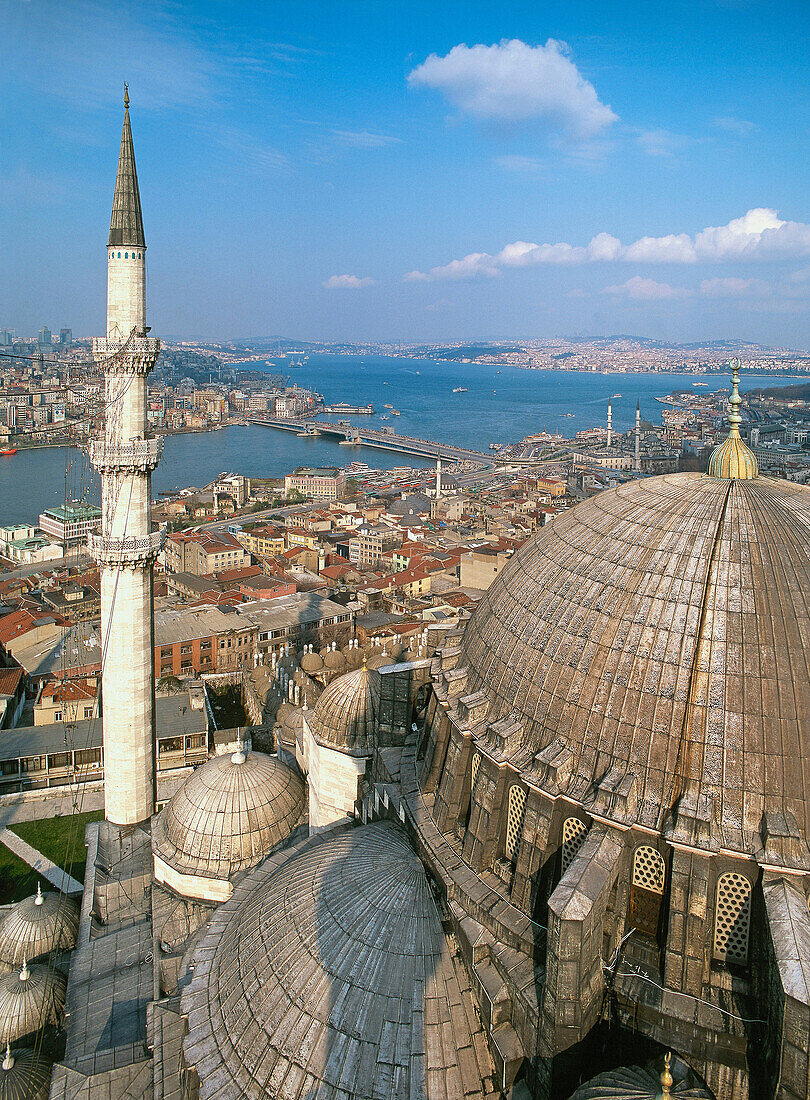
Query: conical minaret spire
x=126, y=223
x=732, y=459
x=637, y=455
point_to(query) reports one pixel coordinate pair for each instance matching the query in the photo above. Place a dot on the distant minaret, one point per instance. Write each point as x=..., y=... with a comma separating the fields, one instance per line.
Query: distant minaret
x=126, y=548
x=609, y=426
x=438, y=478
x=637, y=463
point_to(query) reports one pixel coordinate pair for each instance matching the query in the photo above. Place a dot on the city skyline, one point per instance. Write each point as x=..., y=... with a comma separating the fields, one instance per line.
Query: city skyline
x=418, y=175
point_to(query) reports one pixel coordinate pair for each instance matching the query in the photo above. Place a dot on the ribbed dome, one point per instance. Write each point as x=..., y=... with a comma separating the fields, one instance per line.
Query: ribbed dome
x=345, y=714
x=335, y=661
x=24, y=1075
x=229, y=815
x=732, y=459
x=331, y=976
x=30, y=998
x=354, y=656
x=659, y=633
x=311, y=662
x=37, y=925
x=634, y=1083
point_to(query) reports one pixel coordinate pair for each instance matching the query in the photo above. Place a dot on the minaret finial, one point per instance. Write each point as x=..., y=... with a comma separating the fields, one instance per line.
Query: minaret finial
x=126, y=96
x=8, y=1061
x=667, y=1080
x=733, y=459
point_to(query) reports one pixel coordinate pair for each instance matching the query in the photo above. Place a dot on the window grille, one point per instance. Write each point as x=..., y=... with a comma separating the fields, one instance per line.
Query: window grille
x=573, y=834
x=648, y=869
x=732, y=919
x=476, y=764
x=514, y=821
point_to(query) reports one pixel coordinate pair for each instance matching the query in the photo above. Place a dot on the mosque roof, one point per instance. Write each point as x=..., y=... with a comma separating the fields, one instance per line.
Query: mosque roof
x=24, y=1075
x=30, y=998
x=345, y=714
x=126, y=223
x=37, y=925
x=330, y=975
x=228, y=815
x=654, y=644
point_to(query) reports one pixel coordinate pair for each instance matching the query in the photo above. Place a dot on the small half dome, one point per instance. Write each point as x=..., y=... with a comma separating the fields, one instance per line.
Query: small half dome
x=38, y=925
x=30, y=998
x=344, y=716
x=24, y=1075
x=225, y=818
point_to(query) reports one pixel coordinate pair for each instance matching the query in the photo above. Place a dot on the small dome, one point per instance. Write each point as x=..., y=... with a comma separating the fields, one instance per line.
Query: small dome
x=37, y=925
x=732, y=460
x=30, y=998
x=650, y=1083
x=317, y=978
x=294, y=721
x=311, y=663
x=282, y=712
x=381, y=660
x=335, y=661
x=354, y=656
x=345, y=714
x=229, y=815
x=25, y=1075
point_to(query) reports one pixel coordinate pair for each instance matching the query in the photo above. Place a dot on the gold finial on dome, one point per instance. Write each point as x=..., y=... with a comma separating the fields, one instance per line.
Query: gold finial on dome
x=666, y=1077
x=732, y=459
x=126, y=96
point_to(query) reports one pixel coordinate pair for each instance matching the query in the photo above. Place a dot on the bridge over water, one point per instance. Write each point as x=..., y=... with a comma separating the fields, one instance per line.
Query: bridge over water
x=368, y=437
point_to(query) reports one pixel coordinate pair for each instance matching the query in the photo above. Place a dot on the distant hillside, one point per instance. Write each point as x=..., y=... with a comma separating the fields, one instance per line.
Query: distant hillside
x=798, y=392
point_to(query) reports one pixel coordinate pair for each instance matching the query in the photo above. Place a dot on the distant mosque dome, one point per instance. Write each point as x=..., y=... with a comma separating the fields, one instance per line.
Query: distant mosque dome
x=344, y=717
x=311, y=662
x=350, y=975
x=36, y=926
x=30, y=998
x=640, y=634
x=24, y=1075
x=225, y=818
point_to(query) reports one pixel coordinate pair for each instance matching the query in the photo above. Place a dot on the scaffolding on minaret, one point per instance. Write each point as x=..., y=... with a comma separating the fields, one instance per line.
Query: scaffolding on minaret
x=637, y=457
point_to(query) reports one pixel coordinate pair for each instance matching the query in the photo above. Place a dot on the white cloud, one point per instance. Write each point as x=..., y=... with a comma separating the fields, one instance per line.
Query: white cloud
x=365, y=139
x=646, y=290
x=734, y=288
x=661, y=143
x=532, y=166
x=515, y=82
x=736, y=125
x=758, y=235
x=346, y=282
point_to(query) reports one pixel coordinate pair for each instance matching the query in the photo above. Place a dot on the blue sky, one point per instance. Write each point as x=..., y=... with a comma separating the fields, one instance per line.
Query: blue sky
x=368, y=170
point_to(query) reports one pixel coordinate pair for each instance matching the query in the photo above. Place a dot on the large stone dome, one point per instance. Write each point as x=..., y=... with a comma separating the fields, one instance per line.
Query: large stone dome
x=655, y=642
x=225, y=818
x=330, y=975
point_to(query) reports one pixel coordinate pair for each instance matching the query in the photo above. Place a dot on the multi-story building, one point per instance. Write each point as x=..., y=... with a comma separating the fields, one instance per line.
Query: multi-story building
x=264, y=542
x=204, y=552
x=318, y=483
x=369, y=544
x=70, y=523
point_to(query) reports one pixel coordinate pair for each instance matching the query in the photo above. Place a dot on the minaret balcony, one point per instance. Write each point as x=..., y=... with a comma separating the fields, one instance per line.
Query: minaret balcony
x=135, y=355
x=129, y=551
x=135, y=455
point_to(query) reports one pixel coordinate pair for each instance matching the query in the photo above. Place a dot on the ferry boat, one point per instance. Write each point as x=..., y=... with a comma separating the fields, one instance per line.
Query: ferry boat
x=395, y=412
x=706, y=384
x=614, y=395
x=388, y=406
x=460, y=389
x=8, y=451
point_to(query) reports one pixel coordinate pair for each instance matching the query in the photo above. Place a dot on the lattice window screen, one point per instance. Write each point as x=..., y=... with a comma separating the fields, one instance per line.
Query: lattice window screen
x=573, y=833
x=514, y=821
x=732, y=919
x=476, y=764
x=648, y=869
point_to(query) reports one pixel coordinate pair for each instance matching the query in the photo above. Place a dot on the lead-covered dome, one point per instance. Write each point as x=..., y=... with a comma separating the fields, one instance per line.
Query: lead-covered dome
x=344, y=716
x=24, y=1075
x=330, y=975
x=656, y=641
x=30, y=998
x=226, y=817
x=36, y=926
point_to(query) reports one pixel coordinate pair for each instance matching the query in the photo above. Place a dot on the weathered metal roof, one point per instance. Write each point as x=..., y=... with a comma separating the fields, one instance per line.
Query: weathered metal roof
x=659, y=634
x=30, y=998
x=37, y=925
x=126, y=223
x=24, y=1075
x=344, y=716
x=330, y=975
x=229, y=814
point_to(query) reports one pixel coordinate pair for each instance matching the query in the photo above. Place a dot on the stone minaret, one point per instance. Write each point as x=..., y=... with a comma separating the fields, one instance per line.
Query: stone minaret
x=438, y=478
x=609, y=426
x=127, y=547
x=637, y=460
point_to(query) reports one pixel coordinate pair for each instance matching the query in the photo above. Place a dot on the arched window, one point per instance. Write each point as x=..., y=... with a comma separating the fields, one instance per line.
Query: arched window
x=119, y=255
x=647, y=889
x=514, y=820
x=732, y=919
x=126, y=255
x=574, y=832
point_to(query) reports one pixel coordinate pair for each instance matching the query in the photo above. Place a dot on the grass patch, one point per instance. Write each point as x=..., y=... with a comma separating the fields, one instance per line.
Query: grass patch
x=17, y=880
x=61, y=839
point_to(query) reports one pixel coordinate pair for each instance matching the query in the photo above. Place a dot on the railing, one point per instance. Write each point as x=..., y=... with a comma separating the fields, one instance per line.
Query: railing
x=109, y=550
x=137, y=454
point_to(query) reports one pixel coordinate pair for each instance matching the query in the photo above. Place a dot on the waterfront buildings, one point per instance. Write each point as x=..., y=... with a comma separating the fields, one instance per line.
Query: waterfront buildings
x=325, y=483
x=71, y=523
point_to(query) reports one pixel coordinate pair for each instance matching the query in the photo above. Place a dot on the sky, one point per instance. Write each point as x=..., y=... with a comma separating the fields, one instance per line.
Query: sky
x=414, y=171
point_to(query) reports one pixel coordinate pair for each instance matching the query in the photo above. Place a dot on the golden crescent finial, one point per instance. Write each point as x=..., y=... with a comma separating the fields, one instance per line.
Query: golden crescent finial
x=666, y=1077
x=126, y=96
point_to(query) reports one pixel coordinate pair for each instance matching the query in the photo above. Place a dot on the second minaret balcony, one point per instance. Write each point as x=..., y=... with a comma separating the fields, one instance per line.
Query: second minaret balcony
x=135, y=455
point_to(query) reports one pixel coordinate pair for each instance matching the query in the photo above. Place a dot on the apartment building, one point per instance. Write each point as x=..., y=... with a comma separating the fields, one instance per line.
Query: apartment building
x=204, y=552
x=317, y=482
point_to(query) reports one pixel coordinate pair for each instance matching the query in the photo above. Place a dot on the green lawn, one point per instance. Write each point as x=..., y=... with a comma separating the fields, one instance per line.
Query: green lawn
x=61, y=839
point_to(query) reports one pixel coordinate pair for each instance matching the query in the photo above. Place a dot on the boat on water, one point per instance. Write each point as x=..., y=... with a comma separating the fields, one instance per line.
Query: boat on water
x=395, y=412
x=383, y=418
x=460, y=389
x=614, y=395
x=388, y=406
x=706, y=384
x=8, y=451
